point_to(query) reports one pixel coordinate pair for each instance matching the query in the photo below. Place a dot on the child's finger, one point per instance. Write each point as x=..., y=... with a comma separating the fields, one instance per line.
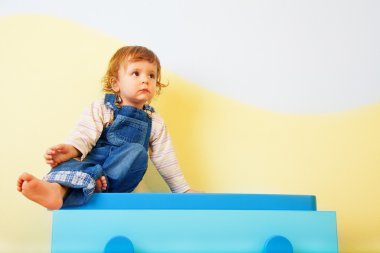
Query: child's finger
x=51, y=152
x=52, y=162
x=59, y=147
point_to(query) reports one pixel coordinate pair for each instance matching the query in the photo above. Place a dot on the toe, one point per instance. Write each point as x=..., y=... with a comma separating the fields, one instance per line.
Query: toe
x=26, y=177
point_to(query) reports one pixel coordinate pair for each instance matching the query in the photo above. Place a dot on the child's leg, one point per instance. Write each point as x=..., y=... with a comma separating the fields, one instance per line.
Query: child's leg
x=125, y=167
x=79, y=177
x=49, y=195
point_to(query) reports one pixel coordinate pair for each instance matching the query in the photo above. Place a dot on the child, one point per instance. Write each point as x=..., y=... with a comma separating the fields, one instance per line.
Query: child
x=108, y=149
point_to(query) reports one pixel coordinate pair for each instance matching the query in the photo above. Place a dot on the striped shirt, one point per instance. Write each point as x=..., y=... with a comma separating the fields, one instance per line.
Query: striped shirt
x=98, y=116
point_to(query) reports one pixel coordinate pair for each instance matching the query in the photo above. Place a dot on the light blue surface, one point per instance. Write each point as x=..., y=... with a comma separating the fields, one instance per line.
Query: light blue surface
x=195, y=230
x=201, y=231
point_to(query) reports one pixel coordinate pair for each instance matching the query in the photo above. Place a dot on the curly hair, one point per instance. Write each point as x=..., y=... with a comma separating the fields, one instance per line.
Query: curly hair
x=130, y=54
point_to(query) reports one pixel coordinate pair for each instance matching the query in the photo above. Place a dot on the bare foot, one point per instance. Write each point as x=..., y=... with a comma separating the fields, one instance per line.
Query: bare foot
x=49, y=195
x=101, y=184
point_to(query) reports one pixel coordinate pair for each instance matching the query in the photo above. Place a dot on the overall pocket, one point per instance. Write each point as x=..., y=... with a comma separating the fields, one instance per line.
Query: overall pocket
x=127, y=130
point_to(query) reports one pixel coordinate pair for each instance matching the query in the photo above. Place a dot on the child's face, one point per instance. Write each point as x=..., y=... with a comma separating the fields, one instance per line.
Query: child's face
x=136, y=83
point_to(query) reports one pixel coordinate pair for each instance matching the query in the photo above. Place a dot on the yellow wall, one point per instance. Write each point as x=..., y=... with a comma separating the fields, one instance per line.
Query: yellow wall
x=48, y=75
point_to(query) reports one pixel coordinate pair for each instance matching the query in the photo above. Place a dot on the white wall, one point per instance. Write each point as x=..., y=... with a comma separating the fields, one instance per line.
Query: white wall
x=285, y=56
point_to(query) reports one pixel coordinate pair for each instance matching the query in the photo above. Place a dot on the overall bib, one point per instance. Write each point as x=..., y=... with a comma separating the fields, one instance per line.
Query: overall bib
x=120, y=154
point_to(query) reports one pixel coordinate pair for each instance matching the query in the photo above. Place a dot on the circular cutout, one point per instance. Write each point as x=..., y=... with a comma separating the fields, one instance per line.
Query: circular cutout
x=119, y=244
x=278, y=244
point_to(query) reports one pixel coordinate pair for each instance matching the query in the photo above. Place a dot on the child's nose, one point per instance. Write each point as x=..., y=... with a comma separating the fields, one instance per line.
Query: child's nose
x=144, y=79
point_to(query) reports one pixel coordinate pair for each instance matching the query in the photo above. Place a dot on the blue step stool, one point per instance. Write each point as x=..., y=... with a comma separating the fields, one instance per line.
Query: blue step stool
x=195, y=223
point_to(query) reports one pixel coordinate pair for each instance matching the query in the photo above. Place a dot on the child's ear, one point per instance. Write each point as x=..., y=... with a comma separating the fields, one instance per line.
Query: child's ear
x=114, y=85
x=115, y=88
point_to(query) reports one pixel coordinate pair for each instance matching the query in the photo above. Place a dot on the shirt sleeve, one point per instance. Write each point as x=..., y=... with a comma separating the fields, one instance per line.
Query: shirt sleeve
x=163, y=157
x=89, y=127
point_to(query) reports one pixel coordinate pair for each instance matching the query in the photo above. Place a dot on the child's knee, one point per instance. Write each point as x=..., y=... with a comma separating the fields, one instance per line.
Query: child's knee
x=133, y=151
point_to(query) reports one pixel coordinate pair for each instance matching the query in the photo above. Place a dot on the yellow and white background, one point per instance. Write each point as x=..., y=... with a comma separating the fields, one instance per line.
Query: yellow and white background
x=263, y=97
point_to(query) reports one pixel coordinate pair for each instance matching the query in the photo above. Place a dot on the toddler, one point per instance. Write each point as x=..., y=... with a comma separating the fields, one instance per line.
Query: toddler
x=108, y=149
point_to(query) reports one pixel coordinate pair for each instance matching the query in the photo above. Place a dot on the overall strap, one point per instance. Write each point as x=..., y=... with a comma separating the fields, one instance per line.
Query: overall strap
x=109, y=101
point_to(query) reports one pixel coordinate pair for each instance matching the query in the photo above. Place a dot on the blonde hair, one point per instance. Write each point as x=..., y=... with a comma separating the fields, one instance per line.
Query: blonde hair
x=130, y=54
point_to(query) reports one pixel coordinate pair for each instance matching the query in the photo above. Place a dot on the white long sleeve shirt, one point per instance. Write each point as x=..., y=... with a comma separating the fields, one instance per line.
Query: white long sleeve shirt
x=98, y=116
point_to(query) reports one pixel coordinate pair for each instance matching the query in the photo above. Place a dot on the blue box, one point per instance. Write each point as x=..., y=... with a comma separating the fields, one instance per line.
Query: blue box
x=196, y=223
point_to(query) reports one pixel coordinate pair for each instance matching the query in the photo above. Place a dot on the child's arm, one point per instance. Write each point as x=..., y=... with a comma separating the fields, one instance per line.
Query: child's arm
x=89, y=127
x=193, y=191
x=164, y=159
x=60, y=153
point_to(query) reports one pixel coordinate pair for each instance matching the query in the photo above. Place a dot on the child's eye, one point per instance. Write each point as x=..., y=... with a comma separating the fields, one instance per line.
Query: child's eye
x=135, y=73
x=152, y=76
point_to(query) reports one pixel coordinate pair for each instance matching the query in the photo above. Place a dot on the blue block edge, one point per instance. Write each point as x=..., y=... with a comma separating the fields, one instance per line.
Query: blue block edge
x=198, y=201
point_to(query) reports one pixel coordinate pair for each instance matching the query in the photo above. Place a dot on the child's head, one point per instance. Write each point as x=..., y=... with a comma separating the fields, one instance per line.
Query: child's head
x=122, y=58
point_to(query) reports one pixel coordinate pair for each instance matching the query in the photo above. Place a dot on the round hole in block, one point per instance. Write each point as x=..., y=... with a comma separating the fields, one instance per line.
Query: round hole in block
x=278, y=244
x=119, y=244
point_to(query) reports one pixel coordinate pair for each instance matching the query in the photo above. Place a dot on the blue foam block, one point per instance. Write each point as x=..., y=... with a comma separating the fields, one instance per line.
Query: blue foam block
x=197, y=223
x=208, y=201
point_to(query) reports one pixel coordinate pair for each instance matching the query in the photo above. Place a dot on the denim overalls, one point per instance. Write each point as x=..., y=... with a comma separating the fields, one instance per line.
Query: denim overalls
x=120, y=154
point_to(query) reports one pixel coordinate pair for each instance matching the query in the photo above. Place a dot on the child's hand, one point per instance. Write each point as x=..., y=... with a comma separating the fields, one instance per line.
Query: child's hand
x=193, y=191
x=60, y=153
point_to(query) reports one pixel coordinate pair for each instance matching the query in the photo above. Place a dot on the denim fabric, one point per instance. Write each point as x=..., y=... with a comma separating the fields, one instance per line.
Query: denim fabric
x=120, y=154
